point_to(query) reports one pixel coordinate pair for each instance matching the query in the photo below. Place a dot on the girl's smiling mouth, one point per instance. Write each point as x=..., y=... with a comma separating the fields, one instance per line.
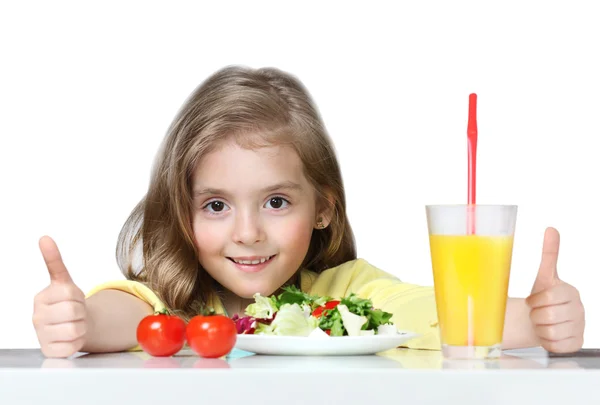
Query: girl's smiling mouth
x=251, y=264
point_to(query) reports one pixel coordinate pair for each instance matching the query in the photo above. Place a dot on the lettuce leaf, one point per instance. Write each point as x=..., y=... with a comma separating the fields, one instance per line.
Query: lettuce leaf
x=245, y=325
x=332, y=320
x=263, y=307
x=353, y=323
x=291, y=320
x=292, y=295
x=364, y=307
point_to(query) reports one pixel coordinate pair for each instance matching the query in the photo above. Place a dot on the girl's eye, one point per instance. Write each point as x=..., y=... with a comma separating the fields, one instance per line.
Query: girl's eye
x=277, y=203
x=216, y=206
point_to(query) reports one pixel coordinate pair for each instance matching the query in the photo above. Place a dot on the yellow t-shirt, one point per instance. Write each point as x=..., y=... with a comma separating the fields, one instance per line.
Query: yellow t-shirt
x=412, y=306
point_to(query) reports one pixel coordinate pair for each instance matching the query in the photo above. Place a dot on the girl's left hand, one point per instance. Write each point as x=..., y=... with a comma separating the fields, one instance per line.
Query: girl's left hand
x=557, y=313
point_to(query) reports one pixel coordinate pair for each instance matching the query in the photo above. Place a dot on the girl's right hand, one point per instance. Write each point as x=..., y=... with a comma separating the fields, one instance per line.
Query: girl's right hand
x=59, y=312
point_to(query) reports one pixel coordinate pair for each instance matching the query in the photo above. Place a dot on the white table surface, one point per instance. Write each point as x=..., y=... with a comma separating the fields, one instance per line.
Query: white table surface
x=398, y=376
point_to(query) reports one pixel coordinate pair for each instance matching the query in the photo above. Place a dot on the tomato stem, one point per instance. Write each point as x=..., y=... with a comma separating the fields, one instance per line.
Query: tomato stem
x=208, y=311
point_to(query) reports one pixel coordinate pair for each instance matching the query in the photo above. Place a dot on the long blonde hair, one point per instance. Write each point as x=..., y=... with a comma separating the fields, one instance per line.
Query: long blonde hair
x=254, y=107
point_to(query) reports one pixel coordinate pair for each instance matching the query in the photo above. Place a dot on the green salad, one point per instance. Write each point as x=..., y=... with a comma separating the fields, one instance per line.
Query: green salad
x=295, y=313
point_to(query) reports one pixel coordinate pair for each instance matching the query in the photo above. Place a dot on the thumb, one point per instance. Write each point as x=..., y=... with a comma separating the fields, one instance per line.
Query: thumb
x=547, y=274
x=56, y=268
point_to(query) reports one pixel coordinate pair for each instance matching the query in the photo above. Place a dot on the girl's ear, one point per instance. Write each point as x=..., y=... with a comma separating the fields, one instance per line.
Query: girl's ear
x=325, y=214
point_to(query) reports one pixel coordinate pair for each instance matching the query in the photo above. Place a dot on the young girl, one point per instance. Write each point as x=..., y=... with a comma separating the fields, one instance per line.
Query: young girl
x=246, y=196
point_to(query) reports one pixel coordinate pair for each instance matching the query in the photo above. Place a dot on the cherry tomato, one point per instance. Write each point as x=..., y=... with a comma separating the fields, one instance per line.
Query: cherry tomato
x=211, y=336
x=328, y=305
x=161, y=334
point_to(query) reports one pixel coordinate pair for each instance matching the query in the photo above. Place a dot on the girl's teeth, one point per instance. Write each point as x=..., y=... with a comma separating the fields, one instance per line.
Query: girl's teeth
x=264, y=259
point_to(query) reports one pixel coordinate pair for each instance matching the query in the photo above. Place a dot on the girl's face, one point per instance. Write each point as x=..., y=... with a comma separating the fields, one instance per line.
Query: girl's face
x=253, y=216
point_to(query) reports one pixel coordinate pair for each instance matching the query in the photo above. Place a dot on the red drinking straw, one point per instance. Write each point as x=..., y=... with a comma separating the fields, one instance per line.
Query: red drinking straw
x=472, y=143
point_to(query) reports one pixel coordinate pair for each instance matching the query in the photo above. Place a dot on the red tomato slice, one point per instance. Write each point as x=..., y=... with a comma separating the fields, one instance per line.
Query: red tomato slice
x=161, y=335
x=211, y=336
x=328, y=305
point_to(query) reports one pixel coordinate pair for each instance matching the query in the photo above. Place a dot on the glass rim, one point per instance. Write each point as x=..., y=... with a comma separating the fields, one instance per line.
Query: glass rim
x=471, y=205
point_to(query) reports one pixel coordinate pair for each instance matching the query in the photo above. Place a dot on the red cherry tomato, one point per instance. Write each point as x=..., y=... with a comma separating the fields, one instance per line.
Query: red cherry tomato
x=329, y=305
x=211, y=336
x=161, y=334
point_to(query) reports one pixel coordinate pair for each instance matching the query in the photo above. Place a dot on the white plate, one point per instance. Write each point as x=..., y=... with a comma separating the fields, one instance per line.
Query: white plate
x=321, y=346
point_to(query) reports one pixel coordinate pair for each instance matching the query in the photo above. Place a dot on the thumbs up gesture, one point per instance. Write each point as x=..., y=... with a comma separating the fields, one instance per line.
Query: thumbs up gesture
x=59, y=313
x=557, y=313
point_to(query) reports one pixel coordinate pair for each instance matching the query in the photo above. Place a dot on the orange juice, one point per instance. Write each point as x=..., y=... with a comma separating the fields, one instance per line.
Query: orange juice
x=471, y=275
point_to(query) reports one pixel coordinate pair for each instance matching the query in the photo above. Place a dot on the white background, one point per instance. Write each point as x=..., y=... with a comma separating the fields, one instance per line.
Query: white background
x=88, y=91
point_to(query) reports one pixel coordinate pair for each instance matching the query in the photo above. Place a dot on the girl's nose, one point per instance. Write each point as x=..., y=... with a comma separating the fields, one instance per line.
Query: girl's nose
x=248, y=229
